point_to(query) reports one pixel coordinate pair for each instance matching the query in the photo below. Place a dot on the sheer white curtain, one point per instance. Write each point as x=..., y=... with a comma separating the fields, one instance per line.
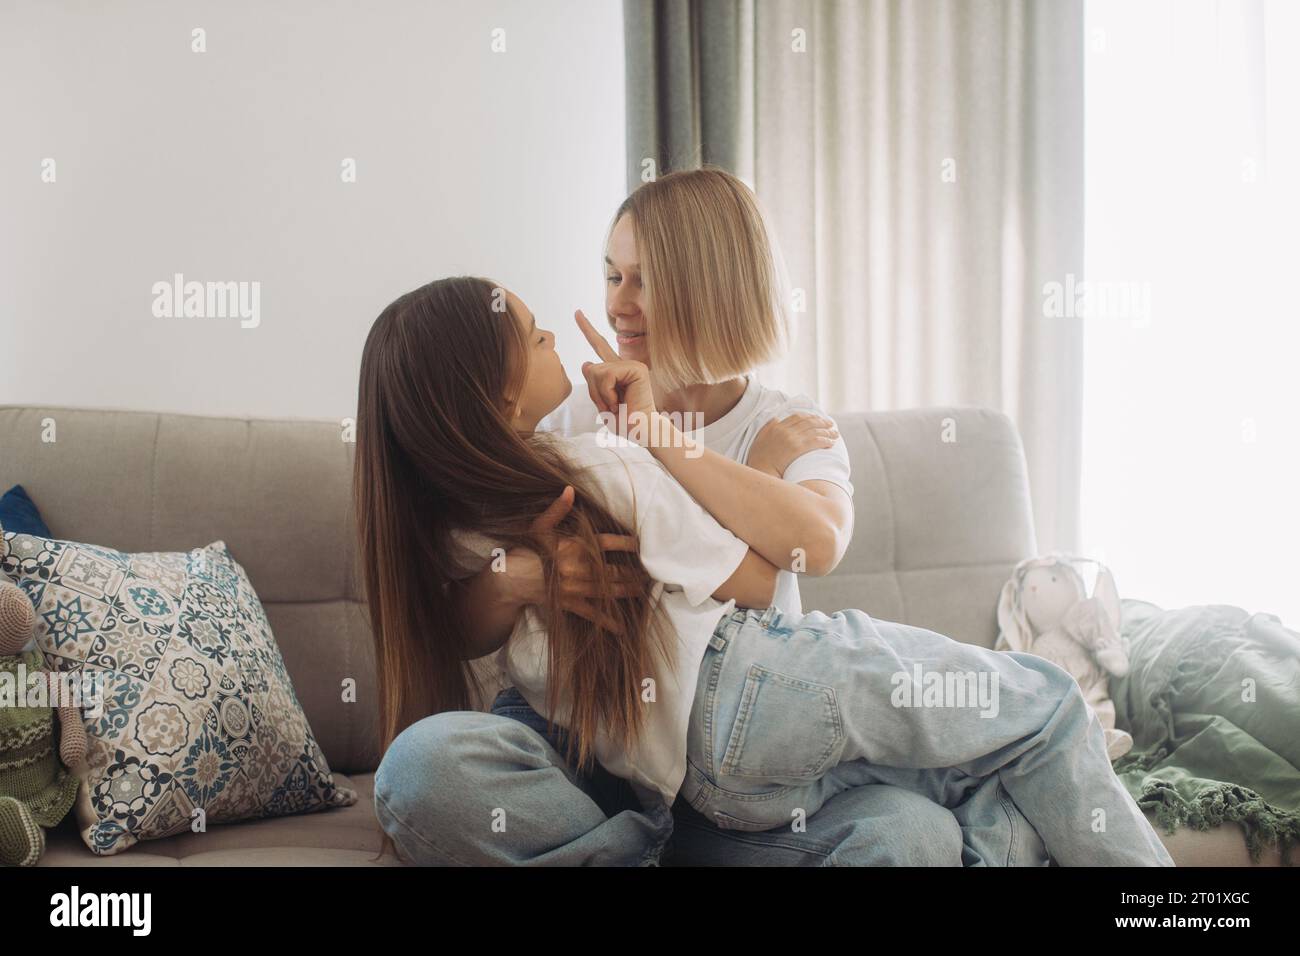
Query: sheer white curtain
x=922, y=164
x=1191, y=480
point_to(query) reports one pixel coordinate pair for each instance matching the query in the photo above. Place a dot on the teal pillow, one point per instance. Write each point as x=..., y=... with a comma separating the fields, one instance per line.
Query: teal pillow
x=198, y=712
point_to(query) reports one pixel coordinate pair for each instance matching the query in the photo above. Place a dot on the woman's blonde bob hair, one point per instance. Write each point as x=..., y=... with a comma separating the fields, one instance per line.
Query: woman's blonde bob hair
x=712, y=274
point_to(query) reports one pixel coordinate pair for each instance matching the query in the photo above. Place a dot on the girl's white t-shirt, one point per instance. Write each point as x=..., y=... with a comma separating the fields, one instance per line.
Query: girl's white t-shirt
x=733, y=435
x=686, y=552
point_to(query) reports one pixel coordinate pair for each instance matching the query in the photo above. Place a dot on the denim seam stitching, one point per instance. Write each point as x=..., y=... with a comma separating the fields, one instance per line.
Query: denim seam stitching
x=740, y=836
x=1011, y=822
x=715, y=673
x=768, y=796
x=746, y=826
x=406, y=827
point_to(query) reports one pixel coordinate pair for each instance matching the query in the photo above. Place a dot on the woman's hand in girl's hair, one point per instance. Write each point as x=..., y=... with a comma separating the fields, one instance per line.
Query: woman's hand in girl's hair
x=780, y=442
x=613, y=382
x=574, y=566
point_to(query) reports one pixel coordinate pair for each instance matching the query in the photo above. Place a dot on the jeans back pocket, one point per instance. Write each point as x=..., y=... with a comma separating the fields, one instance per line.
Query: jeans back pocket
x=786, y=729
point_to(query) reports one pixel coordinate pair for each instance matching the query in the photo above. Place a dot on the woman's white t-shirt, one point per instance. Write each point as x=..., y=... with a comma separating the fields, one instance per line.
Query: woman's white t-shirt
x=686, y=552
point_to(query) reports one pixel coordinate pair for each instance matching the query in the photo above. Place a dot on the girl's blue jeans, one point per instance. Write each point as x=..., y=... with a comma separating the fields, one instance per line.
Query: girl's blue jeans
x=814, y=740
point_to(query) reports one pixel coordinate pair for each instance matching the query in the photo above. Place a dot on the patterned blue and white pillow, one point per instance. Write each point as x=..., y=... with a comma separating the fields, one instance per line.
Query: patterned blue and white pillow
x=198, y=712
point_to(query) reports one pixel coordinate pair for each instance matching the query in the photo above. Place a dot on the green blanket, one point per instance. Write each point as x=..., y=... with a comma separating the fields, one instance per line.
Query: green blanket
x=1212, y=699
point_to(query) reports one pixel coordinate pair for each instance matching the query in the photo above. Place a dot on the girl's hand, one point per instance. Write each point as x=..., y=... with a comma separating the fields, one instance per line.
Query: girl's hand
x=572, y=563
x=780, y=442
x=614, y=382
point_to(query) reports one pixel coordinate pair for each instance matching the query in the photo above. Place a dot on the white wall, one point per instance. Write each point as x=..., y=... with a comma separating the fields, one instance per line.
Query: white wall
x=225, y=166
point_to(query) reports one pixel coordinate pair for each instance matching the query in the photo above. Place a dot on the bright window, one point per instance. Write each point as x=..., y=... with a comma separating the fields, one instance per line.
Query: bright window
x=1191, y=481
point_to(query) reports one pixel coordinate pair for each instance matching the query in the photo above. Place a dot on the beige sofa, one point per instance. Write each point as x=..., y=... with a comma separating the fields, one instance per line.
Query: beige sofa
x=939, y=527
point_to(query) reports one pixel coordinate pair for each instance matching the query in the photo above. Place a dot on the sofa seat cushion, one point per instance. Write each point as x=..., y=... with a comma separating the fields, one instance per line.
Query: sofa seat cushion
x=350, y=836
x=344, y=836
x=1224, y=845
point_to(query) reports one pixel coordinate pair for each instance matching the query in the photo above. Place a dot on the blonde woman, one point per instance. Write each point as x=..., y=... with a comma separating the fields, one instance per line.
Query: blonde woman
x=694, y=294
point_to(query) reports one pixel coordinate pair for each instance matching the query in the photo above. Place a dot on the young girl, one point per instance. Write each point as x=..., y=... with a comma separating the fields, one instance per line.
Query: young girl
x=675, y=680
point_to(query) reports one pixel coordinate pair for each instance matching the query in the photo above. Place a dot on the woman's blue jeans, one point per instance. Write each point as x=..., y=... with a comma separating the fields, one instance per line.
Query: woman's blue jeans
x=803, y=750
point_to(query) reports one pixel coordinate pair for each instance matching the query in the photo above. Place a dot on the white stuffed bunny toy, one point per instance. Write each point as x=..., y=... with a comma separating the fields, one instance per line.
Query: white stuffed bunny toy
x=1045, y=610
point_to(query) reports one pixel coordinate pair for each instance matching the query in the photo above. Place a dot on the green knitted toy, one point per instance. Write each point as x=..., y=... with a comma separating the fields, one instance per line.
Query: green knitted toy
x=36, y=790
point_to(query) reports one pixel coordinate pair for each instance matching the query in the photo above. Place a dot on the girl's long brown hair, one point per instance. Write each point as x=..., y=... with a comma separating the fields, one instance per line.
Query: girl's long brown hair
x=436, y=453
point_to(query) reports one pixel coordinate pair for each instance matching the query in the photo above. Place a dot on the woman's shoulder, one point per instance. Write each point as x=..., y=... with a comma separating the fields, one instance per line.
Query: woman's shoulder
x=773, y=403
x=773, y=399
